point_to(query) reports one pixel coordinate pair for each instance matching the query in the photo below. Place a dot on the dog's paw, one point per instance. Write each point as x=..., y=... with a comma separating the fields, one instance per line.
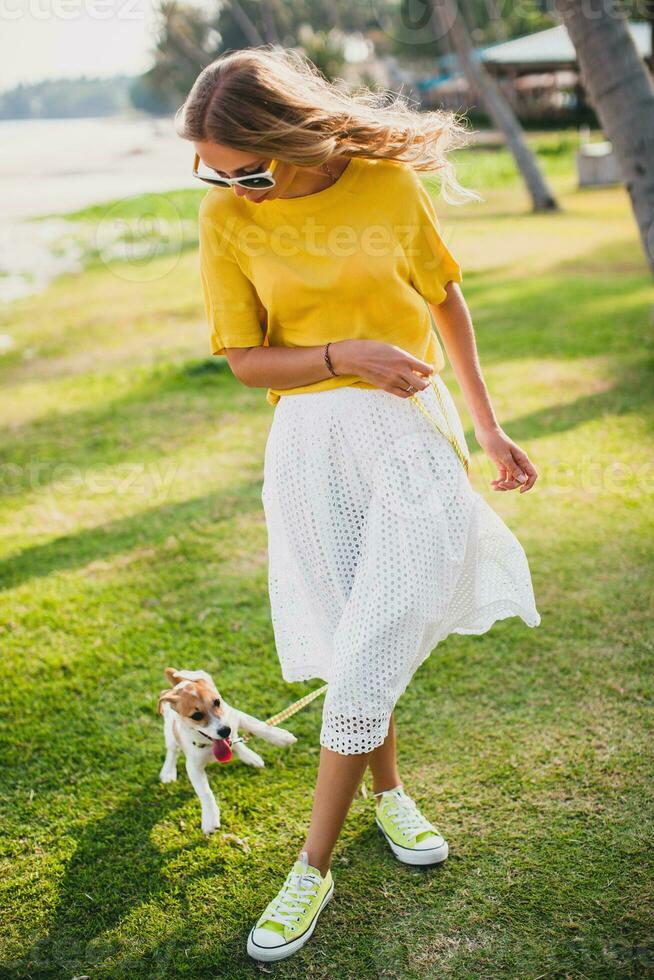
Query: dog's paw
x=168, y=775
x=281, y=737
x=210, y=824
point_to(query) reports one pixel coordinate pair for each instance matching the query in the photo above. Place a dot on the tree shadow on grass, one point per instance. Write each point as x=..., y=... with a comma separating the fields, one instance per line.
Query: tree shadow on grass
x=151, y=528
x=167, y=408
x=578, y=308
x=115, y=870
x=627, y=395
x=624, y=397
x=117, y=873
x=146, y=528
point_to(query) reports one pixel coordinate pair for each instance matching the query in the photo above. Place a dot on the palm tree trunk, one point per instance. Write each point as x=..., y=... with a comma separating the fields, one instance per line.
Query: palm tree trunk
x=620, y=88
x=648, y=12
x=247, y=26
x=268, y=20
x=494, y=101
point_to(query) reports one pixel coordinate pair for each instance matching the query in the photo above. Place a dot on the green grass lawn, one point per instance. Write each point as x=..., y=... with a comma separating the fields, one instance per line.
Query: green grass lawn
x=132, y=538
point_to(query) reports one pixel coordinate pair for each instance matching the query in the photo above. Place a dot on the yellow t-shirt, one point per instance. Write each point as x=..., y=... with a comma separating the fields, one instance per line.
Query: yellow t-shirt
x=355, y=260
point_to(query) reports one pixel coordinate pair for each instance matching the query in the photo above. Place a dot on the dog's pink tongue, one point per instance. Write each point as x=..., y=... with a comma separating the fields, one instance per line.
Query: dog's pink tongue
x=222, y=749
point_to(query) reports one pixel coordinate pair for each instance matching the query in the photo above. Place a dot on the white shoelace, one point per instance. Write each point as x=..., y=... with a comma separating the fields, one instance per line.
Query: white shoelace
x=299, y=889
x=406, y=815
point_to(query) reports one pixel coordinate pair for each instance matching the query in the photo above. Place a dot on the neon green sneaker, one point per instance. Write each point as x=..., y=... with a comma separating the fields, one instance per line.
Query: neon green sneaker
x=290, y=918
x=412, y=839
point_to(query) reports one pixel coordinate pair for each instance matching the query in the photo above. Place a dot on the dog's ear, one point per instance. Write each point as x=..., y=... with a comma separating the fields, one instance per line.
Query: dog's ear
x=175, y=676
x=166, y=696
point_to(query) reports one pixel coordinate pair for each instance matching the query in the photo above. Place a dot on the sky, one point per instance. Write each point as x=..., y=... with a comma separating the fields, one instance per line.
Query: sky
x=64, y=38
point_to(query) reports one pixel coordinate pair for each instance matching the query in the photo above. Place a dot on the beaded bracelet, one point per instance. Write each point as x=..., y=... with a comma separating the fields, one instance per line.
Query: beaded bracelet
x=327, y=359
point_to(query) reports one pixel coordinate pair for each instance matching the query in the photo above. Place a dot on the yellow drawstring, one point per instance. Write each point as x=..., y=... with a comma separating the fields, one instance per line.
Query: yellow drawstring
x=287, y=712
x=296, y=706
x=451, y=438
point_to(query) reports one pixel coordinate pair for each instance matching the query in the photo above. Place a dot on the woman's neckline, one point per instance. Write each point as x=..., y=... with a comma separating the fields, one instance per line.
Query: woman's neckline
x=318, y=198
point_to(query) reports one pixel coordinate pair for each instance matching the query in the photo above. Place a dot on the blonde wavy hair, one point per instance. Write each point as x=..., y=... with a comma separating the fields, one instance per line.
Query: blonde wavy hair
x=275, y=102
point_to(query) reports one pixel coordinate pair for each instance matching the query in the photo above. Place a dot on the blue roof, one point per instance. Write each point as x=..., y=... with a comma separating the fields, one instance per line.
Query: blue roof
x=553, y=46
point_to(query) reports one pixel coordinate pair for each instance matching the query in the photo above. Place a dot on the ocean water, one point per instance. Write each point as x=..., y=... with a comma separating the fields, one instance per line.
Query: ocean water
x=53, y=166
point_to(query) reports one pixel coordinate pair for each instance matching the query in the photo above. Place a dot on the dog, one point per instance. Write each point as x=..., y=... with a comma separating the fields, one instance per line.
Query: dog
x=200, y=723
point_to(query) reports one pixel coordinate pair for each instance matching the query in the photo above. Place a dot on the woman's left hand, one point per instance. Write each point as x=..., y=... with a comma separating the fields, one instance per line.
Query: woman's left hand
x=514, y=467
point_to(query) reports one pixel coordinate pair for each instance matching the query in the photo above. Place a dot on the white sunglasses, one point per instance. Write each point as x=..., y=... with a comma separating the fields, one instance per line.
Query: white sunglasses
x=261, y=180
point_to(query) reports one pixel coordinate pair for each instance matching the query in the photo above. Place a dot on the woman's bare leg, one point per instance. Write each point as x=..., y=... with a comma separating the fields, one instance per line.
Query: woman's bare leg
x=337, y=782
x=383, y=763
x=338, y=779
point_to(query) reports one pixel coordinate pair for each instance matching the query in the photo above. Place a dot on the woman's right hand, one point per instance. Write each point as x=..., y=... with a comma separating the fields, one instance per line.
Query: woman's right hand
x=383, y=365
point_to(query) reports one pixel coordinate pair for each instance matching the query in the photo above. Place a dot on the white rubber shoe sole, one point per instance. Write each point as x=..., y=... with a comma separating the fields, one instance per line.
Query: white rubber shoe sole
x=413, y=855
x=269, y=954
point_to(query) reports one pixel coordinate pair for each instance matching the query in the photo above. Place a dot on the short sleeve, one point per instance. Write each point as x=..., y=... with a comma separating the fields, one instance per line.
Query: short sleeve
x=233, y=309
x=432, y=264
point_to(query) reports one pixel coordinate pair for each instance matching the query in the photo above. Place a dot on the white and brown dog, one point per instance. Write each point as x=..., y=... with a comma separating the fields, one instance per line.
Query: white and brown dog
x=200, y=723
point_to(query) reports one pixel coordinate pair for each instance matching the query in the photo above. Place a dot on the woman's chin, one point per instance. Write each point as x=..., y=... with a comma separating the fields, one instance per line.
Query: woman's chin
x=255, y=200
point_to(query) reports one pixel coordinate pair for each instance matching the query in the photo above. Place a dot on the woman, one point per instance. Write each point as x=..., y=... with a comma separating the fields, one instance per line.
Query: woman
x=320, y=283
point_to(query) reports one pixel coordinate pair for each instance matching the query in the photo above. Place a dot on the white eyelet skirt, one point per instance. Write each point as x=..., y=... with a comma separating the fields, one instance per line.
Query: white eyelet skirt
x=378, y=549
